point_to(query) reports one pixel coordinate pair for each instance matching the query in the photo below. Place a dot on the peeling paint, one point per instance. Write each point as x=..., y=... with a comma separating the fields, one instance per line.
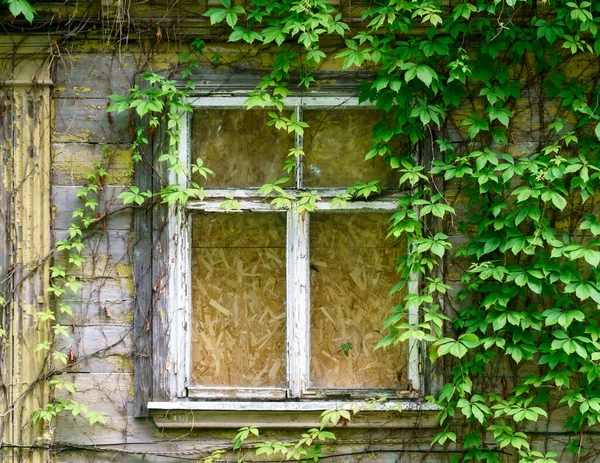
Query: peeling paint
x=79, y=89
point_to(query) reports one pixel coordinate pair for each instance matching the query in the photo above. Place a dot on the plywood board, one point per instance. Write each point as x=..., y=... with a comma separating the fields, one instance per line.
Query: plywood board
x=239, y=147
x=353, y=268
x=238, y=300
x=336, y=143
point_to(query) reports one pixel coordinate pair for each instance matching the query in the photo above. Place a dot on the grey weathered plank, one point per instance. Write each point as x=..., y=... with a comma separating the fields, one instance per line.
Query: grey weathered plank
x=95, y=312
x=98, y=349
x=86, y=121
x=89, y=303
x=103, y=289
x=107, y=392
x=73, y=162
x=106, y=254
x=142, y=251
x=5, y=200
x=65, y=201
x=243, y=80
x=95, y=75
x=160, y=263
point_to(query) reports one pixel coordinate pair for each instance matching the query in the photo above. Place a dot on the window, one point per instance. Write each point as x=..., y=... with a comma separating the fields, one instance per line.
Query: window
x=272, y=303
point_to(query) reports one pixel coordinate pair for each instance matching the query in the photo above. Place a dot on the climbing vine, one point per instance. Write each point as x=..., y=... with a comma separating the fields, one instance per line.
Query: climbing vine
x=504, y=95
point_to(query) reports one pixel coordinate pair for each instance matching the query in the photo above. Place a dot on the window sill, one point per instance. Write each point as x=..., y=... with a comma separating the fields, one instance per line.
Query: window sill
x=306, y=414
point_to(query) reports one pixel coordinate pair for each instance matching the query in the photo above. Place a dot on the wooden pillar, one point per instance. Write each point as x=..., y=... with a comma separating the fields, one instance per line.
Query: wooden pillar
x=25, y=244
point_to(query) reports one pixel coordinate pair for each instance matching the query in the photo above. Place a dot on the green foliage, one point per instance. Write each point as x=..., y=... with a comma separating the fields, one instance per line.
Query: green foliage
x=530, y=277
x=20, y=7
x=162, y=100
x=48, y=413
x=346, y=348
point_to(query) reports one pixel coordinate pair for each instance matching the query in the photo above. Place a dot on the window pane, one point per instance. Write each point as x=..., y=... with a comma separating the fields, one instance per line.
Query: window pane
x=239, y=147
x=335, y=145
x=353, y=268
x=238, y=299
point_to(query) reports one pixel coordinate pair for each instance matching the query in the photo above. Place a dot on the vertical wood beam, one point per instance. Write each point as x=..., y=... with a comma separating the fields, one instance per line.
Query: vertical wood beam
x=5, y=243
x=432, y=373
x=142, y=277
x=161, y=260
x=25, y=147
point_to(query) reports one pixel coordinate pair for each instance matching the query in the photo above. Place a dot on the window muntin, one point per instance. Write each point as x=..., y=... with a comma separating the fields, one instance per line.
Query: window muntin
x=298, y=335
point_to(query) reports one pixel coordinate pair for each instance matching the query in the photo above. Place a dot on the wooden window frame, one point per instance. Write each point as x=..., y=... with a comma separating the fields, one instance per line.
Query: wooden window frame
x=179, y=301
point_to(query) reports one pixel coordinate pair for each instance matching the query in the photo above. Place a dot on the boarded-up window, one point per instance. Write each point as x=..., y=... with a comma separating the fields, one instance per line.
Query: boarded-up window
x=353, y=268
x=286, y=302
x=238, y=299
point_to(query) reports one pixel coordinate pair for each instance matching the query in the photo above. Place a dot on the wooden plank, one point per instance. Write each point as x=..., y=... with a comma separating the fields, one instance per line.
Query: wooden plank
x=170, y=274
x=213, y=84
x=282, y=415
x=257, y=206
x=95, y=75
x=103, y=289
x=308, y=101
x=98, y=349
x=324, y=193
x=160, y=276
x=263, y=393
x=99, y=301
x=103, y=392
x=99, y=311
x=29, y=182
x=86, y=121
x=143, y=281
x=298, y=303
x=73, y=162
x=65, y=201
x=426, y=376
x=107, y=254
x=6, y=245
x=294, y=406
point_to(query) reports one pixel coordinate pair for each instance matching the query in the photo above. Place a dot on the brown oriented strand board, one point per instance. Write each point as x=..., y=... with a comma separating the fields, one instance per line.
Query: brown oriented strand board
x=238, y=300
x=352, y=271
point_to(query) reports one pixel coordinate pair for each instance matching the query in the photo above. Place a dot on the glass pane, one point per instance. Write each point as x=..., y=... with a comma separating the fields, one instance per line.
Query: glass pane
x=239, y=147
x=335, y=145
x=353, y=268
x=238, y=299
